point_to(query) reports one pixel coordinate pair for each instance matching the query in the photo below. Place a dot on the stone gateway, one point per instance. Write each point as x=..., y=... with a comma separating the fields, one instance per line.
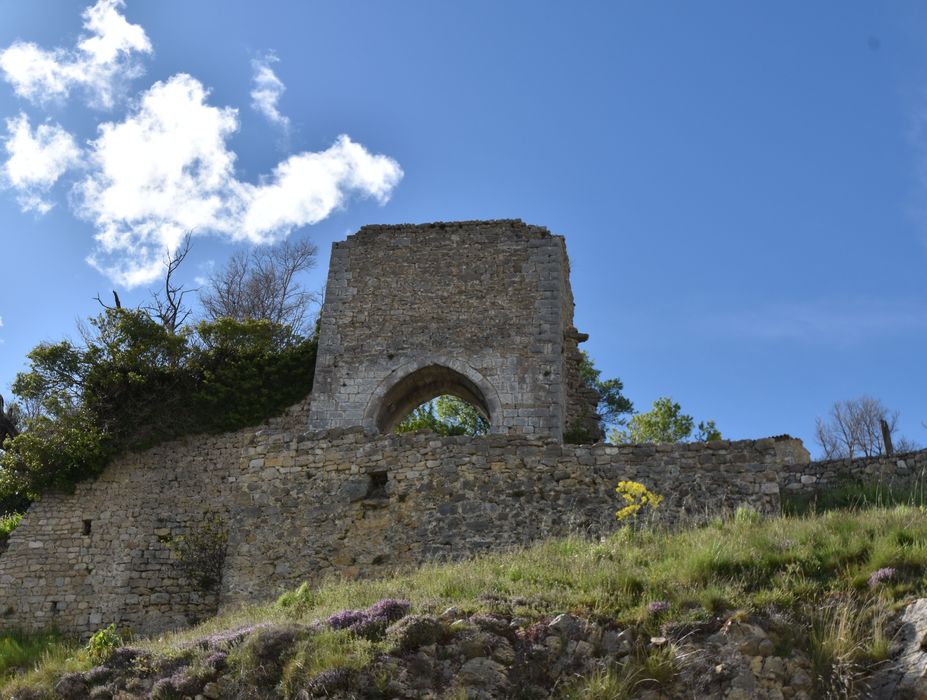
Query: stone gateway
x=481, y=310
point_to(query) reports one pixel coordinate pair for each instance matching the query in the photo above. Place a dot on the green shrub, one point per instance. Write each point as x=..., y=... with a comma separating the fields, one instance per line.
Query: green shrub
x=102, y=643
x=8, y=523
x=134, y=384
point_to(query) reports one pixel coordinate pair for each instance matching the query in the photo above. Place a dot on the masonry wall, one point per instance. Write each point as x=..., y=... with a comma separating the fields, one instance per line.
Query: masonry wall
x=900, y=471
x=80, y=561
x=302, y=506
x=485, y=298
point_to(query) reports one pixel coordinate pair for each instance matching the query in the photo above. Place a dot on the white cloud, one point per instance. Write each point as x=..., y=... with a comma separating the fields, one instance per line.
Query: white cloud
x=36, y=160
x=103, y=60
x=267, y=90
x=166, y=170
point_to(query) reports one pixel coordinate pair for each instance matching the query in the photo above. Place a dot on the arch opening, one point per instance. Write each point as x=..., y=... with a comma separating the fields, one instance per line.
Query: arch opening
x=421, y=387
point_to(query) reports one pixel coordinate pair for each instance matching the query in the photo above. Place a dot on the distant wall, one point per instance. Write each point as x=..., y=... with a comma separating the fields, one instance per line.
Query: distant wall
x=302, y=506
x=899, y=471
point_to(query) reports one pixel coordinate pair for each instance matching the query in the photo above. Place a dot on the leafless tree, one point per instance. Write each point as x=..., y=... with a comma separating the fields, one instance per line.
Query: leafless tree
x=264, y=284
x=852, y=429
x=167, y=305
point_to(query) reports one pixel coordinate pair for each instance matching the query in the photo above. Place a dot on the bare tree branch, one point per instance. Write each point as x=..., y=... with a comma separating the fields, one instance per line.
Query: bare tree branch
x=264, y=285
x=853, y=428
x=167, y=306
x=116, y=302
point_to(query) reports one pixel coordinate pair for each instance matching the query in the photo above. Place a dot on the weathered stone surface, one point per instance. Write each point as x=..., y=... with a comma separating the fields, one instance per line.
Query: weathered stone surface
x=905, y=677
x=480, y=309
x=290, y=519
x=898, y=472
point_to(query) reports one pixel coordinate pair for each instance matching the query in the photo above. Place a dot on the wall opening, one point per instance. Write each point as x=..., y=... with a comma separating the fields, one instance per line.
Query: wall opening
x=376, y=487
x=421, y=387
x=85, y=529
x=446, y=415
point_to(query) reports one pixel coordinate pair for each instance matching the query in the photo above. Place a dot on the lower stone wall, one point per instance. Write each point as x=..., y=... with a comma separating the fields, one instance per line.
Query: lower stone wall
x=299, y=507
x=900, y=471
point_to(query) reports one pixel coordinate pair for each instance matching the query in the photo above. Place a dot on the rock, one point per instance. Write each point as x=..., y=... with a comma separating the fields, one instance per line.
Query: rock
x=616, y=644
x=212, y=691
x=906, y=675
x=483, y=673
x=658, y=641
x=566, y=626
x=503, y=652
x=72, y=686
x=415, y=631
x=800, y=680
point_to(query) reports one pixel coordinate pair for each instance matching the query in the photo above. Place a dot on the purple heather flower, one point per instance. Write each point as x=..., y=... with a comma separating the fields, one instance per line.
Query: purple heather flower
x=218, y=660
x=881, y=576
x=389, y=608
x=369, y=621
x=344, y=619
x=658, y=606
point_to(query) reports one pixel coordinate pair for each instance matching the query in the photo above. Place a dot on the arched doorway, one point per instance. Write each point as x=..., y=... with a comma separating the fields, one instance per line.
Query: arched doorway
x=411, y=386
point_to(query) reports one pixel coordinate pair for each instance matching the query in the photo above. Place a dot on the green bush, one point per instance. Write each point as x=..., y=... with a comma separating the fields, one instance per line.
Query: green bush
x=134, y=384
x=102, y=643
x=8, y=523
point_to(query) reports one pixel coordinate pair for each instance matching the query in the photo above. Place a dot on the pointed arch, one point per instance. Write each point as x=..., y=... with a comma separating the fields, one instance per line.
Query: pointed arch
x=421, y=380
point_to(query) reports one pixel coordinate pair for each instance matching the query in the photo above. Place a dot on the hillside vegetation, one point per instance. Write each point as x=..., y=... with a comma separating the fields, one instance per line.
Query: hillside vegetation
x=635, y=614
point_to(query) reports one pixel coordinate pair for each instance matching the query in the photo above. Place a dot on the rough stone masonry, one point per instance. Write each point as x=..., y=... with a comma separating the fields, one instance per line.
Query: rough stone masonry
x=480, y=309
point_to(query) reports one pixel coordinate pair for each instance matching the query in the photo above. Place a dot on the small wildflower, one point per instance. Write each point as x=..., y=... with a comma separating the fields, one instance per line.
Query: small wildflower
x=657, y=606
x=881, y=576
x=636, y=496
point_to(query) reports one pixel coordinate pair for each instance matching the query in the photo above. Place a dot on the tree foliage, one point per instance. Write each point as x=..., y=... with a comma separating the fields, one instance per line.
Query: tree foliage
x=613, y=406
x=134, y=382
x=665, y=423
x=445, y=415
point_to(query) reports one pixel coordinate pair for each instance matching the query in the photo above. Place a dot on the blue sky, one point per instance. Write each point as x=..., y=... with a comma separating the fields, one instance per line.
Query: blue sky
x=743, y=187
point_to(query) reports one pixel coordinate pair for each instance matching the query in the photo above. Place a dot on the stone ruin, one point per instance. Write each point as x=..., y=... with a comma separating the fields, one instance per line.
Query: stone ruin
x=479, y=309
x=482, y=310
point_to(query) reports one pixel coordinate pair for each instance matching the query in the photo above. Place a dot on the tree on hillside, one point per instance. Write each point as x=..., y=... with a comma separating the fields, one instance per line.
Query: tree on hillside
x=264, y=284
x=853, y=429
x=613, y=406
x=665, y=423
x=10, y=421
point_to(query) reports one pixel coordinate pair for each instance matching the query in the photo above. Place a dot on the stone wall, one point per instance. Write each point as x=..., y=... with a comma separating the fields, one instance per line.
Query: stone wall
x=79, y=561
x=344, y=503
x=475, y=308
x=302, y=506
x=900, y=471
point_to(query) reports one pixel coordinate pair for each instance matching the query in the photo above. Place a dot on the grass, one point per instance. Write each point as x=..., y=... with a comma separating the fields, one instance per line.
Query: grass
x=856, y=496
x=35, y=659
x=8, y=523
x=816, y=567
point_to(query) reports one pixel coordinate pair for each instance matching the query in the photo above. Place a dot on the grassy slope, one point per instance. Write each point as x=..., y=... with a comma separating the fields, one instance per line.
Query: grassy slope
x=793, y=565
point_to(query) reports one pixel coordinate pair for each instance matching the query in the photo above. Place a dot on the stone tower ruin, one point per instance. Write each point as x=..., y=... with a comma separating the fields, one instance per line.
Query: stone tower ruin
x=479, y=309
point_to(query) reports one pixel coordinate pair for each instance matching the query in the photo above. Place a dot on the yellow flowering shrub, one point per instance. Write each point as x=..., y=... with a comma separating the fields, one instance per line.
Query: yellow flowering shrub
x=635, y=496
